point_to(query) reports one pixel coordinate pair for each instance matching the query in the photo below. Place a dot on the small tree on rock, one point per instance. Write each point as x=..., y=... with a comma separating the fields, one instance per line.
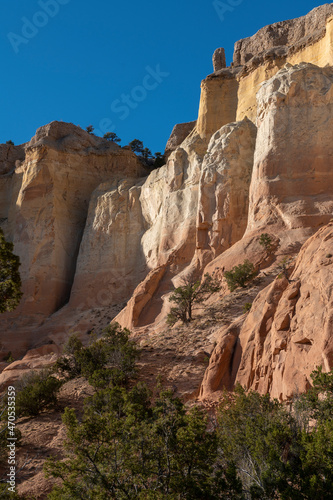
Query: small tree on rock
x=146, y=153
x=112, y=137
x=159, y=160
x=90, y=129
x=266, y=241
x=186, y=297
x=136, y=146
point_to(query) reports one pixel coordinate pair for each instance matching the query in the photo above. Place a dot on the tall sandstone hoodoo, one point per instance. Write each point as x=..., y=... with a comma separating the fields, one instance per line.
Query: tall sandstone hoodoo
x=98, y=237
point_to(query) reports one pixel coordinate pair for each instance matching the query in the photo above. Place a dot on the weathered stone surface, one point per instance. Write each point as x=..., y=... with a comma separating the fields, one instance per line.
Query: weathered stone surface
x=218, y=102
x=294, y=34
x=169, y=203
x=50, y=197
x=92, y=234
x=179, y=133
x=10, y=156
x=219, y=61
x=222, y=370
x=224, y=187
x=292, y=180
x=110, y=263
x=288, y=332
x=230, y=94
x=191, y=217
x=35, y=359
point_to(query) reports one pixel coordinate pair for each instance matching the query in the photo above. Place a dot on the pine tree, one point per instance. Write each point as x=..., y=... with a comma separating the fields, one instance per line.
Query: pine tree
x=187, y=296
x=10, y=281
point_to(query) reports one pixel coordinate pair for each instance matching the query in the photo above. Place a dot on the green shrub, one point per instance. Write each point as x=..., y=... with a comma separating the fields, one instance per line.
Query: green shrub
x=136, y=146
x=127, y=446
x=69, y=364
x=130, y=445
x=108, y=360
x=159, y=160
x=36, y=391
x=240, y=275
x=9, y=358
x=247, y=307
x=5, y=494
x=266, y=241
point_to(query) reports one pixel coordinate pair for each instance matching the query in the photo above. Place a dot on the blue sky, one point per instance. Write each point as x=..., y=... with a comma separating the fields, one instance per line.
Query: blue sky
x=130, y=67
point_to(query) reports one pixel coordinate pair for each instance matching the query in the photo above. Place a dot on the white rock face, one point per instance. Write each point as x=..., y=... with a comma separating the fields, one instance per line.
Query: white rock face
x=110, y=262
x=88, y=231
x=133, y=227
x=194, y=210
x=186, y=206
x=224, y=187
x=292, y=182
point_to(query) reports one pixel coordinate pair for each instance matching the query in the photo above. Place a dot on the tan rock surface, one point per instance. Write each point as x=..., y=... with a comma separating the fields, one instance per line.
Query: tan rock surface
x=293, y=34
x=169, y=202
x=90, y=232
x=292, y=175
x=224, y=187
x=192, y=216
x=10, y=157
x=260, y=69
x=230, y=94
x=35, y=359
x=219, y=61
x=110, y=263
x=63, y=166
x=218, y=102
x=286, y=335
x=179, y=133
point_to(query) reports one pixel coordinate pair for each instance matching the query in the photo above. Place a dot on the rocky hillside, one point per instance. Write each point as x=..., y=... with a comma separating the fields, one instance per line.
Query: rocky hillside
x=99, y=239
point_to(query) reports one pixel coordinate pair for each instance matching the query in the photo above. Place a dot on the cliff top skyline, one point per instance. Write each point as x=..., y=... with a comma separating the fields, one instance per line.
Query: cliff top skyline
x=134, y=69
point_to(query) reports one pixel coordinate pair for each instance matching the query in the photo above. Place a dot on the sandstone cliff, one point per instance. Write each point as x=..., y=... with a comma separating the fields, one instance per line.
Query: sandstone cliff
x=49, y=193
x=100, y=239
x=287, y=333
x=230, y=94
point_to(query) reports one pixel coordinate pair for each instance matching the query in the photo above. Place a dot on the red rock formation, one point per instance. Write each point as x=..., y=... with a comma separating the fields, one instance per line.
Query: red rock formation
x=287, y=333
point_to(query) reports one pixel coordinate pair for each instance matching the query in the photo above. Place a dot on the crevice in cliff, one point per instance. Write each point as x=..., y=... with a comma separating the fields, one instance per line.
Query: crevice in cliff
x=63, y=301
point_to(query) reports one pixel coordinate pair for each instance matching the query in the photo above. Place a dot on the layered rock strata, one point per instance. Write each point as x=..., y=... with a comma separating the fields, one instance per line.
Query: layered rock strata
x=257, y=59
